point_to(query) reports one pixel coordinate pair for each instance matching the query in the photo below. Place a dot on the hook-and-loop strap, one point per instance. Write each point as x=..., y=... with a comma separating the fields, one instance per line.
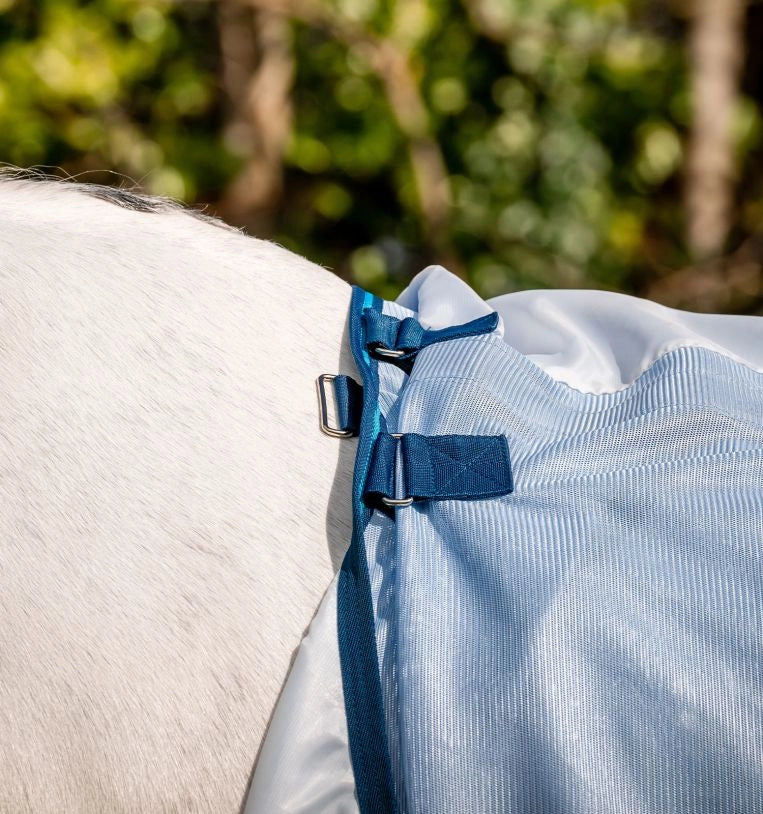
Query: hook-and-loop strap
x=348, y=396
x=398, y=340
x=438, y=467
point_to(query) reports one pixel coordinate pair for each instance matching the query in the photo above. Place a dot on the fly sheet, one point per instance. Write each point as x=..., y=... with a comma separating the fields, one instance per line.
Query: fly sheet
x=553, y=599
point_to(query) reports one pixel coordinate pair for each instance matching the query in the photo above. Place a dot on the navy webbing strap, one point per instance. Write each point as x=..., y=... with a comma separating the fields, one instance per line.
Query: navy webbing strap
x=361, y=684
x=349, y=404
x=438, y=467
x=381, y=471
x=399, y=340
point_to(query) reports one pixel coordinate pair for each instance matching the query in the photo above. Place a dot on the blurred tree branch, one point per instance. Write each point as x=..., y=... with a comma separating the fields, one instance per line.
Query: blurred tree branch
x=392, y=63
x=716, y=49
x=257, y=74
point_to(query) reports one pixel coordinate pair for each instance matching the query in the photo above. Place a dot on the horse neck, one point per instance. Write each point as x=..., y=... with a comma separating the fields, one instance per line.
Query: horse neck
x=166, y=490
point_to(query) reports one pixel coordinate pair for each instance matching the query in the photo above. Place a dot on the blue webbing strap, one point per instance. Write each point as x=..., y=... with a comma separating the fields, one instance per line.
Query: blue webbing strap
x=439, y=467
x=406, y=337
x=348, y=395
x=381, y=472
x=356, y=631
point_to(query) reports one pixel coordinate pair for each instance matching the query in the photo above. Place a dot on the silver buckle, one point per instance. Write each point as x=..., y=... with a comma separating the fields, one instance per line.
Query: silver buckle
x=334, y=432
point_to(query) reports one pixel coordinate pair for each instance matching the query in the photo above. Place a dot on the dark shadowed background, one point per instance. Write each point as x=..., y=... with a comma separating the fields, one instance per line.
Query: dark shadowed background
x=523, y=143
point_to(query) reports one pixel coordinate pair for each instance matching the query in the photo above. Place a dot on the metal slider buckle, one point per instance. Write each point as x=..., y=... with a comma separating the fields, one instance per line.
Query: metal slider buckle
x=334, y=432
x=391, y=501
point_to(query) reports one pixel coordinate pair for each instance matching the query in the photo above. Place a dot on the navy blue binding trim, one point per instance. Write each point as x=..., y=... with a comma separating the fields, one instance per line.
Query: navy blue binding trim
x=363, y=703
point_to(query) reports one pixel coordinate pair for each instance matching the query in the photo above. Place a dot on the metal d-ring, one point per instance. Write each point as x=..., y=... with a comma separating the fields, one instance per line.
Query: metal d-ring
x=334, y=432
x=392, y=354
x=391, y=501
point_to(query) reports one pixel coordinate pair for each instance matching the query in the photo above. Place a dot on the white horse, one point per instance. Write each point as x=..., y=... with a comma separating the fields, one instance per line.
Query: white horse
x=171, y=514
x=163, y=496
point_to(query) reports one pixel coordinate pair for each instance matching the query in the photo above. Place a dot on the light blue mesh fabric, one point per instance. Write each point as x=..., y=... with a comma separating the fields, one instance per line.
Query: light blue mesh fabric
x=591, y=642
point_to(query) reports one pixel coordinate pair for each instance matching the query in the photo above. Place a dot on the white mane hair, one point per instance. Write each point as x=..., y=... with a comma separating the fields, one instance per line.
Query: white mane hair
x=170, y=514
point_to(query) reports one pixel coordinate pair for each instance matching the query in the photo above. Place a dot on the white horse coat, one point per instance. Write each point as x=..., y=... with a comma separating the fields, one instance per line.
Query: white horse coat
x=165, y=537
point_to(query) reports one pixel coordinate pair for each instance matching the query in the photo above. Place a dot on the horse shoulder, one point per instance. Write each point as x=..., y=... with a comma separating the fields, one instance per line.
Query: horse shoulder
x=164, y=494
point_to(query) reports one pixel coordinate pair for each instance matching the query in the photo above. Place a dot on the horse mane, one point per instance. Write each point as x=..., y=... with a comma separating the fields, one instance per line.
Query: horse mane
x=126, y=198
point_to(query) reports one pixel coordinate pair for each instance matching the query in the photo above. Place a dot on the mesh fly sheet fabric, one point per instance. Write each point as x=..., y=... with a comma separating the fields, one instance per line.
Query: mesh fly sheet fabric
x=590, y=642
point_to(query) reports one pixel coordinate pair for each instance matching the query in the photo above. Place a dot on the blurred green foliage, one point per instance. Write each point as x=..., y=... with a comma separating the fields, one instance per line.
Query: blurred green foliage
x=563, y=138
x=116, y=84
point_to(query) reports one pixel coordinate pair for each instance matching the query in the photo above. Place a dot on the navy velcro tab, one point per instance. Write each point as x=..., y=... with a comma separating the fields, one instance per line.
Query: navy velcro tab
x=380, y=481
x=456, y=467
x=438, y=467
x=348, y=395
x=399, y=340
